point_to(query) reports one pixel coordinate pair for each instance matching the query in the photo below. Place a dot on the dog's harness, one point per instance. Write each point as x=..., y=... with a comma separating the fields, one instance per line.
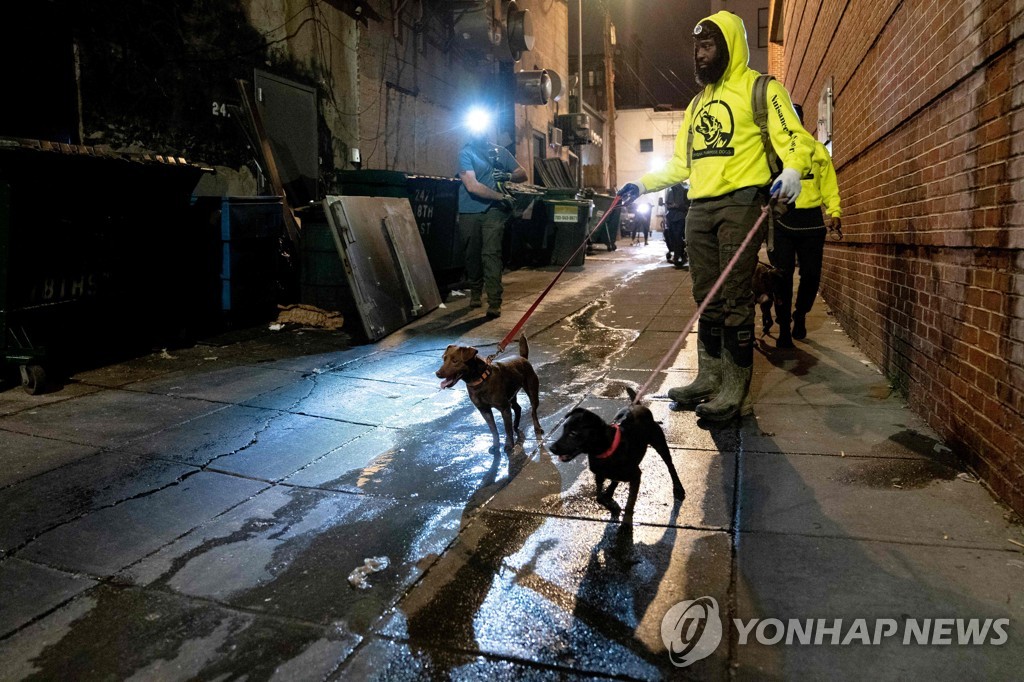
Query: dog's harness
x=482, y=379
x=615, y=443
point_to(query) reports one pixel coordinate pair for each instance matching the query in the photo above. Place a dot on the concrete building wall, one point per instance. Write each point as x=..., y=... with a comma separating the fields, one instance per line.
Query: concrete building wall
x=747, y=10
x=551, y=52
x=634, y=125
x=928, y=141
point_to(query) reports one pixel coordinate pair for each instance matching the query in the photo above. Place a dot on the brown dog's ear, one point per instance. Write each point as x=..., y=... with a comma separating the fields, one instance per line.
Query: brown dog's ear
x=468, y=353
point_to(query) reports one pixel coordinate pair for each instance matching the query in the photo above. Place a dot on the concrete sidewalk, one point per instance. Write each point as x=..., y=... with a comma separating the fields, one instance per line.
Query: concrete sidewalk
x=197, y=514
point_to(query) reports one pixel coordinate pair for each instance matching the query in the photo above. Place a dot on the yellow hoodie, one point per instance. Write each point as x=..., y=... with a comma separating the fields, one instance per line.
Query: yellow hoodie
x=727, y=150
x=821, y=188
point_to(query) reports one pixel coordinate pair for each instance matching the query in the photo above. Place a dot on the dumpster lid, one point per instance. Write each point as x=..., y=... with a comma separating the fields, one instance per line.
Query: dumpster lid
x=18, y=155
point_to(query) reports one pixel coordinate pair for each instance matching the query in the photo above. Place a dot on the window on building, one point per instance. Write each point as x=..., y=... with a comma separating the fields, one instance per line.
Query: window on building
x=762, y=27
x=647, y=145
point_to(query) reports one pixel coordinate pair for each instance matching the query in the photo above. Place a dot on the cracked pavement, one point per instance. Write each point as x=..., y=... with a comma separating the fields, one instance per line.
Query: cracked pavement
x=196, y=514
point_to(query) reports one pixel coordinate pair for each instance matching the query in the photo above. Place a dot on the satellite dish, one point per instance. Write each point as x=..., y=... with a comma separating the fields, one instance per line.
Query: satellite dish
x=519, y=29
x=556, y=85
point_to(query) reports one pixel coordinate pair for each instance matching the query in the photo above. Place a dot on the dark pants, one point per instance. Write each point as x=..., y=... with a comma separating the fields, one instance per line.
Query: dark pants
x=806, y=246
x=675, y=235
x=715, y=228
x=482, y=235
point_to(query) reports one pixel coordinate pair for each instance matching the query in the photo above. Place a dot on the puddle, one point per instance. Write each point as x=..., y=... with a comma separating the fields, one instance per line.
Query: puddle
x=897, y=473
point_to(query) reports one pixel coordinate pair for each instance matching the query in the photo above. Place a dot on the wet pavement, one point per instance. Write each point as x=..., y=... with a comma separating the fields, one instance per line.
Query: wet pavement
x=196, y=514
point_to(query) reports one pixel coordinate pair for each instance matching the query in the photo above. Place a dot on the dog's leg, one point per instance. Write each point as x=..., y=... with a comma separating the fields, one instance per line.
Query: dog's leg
x=605, y=498
x=766, y=316
x=531, y=384
x=518, y=410
x=510, y=436
x=657, y=441
x=489, y=418
x=634, y=490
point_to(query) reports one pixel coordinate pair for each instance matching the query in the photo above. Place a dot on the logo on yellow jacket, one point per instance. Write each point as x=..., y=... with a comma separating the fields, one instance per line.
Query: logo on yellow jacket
x=714, y=122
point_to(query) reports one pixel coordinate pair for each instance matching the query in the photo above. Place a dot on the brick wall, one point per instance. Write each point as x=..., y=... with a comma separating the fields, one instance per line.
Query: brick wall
x=928, y=142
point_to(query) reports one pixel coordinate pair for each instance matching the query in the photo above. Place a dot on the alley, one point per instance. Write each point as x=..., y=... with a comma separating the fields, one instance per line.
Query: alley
x=196, y=514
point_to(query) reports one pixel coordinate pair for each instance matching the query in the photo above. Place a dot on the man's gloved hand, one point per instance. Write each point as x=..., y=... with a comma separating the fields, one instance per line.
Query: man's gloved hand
x=629, y=193
x=502, y=176
x=786, y=187
x=834, y=225
x=508, y=203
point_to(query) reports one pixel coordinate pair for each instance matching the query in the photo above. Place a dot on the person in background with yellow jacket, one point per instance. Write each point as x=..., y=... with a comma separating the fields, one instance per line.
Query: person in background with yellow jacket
x=730, y=181
x=799, y=236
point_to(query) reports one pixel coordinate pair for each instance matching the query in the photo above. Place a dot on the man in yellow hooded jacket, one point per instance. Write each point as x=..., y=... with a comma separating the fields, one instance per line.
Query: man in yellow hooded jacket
x=730, y=181
x=800, y=236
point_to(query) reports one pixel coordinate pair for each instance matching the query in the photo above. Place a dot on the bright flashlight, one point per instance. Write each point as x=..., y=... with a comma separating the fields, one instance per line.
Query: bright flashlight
x=478, y=120
x=643, y=208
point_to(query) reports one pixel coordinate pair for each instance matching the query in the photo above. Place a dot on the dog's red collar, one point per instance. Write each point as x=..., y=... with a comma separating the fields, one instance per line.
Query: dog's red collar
x=482, y=379
x=615, y=443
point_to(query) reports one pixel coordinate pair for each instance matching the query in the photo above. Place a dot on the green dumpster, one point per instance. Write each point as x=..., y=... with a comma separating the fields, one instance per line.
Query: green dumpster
x=609, y=230
x=567, y=223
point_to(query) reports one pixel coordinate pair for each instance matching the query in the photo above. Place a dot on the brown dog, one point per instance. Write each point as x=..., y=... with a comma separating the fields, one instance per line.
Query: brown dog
x=765, y=284
x=494, y=386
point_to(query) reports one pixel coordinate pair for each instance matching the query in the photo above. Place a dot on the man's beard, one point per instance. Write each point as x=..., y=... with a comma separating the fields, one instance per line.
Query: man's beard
x=711, y=73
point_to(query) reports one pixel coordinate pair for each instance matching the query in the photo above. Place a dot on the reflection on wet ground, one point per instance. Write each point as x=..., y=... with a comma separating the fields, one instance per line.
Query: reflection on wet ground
x=211, y=535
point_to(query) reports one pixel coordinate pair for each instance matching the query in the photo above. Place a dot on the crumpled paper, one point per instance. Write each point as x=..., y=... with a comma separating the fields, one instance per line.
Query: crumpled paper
x=357, y=578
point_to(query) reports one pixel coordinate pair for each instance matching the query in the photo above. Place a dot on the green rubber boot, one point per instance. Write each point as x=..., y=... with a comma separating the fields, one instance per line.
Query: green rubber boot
x=709, y=369
x=737, y=368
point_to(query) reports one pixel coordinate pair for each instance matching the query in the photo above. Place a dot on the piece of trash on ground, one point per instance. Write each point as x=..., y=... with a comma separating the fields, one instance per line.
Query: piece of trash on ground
x=1014, y=542
x=307, y=315
x=456, y=292
x=357, y=578
x=167, y=356
x=964, y=476
x=276, y=327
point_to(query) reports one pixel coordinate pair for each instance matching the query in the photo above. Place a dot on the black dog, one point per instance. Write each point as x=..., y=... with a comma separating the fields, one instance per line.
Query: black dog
x=767, y=279
x=615, y=451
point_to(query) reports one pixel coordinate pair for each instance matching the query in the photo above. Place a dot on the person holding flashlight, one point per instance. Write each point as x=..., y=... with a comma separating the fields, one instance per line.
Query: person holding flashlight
x=484, y=210
x=720, y=149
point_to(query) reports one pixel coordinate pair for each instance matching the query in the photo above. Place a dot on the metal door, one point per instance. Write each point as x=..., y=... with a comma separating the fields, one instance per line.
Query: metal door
x=385, y=262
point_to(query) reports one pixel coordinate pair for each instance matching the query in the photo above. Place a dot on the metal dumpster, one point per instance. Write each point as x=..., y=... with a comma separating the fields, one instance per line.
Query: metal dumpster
x=93, y=247
x=245, y=274
x=567, y=221
x=609, y=230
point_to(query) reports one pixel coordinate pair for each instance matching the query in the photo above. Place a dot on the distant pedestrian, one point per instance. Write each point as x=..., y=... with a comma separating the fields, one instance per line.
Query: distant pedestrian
x=720, y=150
x=484, y=212
x=676, y=205
x=799, y=237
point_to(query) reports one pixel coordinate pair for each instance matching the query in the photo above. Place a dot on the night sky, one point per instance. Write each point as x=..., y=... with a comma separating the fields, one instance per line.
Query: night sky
x=663, y=28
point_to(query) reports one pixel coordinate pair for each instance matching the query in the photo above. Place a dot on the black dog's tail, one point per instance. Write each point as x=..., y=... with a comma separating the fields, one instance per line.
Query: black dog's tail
x=524, y=348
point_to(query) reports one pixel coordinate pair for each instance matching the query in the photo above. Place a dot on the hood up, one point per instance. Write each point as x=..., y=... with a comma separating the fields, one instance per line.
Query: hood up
x=735, y=35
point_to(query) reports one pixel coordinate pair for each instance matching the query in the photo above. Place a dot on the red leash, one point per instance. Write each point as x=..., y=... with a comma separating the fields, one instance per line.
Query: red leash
x=707, y=300
x=519, y=325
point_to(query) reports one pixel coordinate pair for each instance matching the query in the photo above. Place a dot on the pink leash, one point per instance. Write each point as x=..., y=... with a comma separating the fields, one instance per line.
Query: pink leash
x=519, y=325
x=707, y=299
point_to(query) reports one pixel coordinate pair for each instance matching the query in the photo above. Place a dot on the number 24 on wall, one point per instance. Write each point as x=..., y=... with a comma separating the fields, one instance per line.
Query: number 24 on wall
x=221, y=109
